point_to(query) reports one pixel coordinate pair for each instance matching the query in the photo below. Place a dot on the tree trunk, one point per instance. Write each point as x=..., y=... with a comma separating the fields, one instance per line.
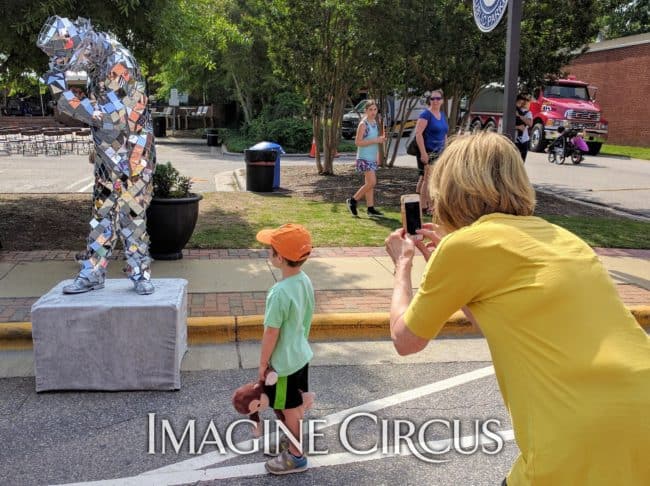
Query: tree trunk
x=243, y=101
x=332, y=116
x=470, y=99
x=452, y=116
x=394, y=135
x=315, y=122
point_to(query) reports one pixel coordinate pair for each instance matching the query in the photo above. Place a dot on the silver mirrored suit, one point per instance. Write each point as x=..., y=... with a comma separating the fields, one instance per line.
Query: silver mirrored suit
x=96, y=80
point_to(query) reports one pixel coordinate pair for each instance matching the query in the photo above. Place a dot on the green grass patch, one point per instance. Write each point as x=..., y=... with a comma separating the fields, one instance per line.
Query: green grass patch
x=329, y=223
x=626, y=151
x=231, y=220
x=606, y=232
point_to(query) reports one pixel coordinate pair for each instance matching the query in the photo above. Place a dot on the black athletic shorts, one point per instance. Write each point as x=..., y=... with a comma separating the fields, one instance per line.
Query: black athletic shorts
x=433, y=156
x=287, y=392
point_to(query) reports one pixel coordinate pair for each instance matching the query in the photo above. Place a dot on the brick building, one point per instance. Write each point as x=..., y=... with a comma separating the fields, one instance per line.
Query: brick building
x=620, y=68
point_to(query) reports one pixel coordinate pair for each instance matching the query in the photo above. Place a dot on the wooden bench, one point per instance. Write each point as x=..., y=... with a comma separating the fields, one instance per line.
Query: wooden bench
x=203, y=113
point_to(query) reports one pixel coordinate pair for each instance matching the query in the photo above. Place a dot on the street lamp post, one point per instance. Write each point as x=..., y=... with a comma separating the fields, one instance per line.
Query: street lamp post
x=513, y=41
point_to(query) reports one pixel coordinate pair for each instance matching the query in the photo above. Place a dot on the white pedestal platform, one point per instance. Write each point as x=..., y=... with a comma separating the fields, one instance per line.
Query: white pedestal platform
x=111, y=339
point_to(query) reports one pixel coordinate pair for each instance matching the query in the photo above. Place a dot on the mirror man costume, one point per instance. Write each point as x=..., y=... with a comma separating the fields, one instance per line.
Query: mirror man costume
x=96, y=80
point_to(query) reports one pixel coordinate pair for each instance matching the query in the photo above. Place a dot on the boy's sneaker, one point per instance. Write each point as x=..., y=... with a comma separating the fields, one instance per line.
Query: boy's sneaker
x=373, y=212
x=282, y=446
x=352, y=206
x=286, y=463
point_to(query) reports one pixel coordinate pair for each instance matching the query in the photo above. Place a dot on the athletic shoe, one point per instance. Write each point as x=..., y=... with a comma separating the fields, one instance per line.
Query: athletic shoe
x=352, y=206
x=282, y=446
x=286, y=463
x=373, y=212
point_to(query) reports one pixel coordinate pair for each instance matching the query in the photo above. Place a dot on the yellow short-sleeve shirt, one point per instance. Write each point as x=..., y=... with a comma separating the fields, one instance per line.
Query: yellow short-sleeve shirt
x=572, y=363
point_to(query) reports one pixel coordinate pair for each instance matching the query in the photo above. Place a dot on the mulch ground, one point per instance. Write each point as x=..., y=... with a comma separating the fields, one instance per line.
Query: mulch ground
x=60, y=222
x=395, y=181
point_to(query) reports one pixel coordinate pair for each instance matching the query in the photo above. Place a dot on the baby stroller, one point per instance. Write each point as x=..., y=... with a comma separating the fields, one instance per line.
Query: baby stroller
x=569, y=143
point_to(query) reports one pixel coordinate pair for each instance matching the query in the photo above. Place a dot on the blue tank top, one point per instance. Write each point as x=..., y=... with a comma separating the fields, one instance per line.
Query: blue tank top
x=435, y=132
x=369, y=152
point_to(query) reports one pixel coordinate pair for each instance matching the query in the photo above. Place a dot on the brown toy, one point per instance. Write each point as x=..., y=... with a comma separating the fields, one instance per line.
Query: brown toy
x=250, y=399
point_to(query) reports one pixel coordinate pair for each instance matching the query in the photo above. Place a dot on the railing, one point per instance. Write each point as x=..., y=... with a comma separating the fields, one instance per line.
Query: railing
x=34, y=141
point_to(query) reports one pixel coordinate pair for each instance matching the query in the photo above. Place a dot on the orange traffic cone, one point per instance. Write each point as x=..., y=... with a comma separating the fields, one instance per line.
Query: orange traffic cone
x=312, y=152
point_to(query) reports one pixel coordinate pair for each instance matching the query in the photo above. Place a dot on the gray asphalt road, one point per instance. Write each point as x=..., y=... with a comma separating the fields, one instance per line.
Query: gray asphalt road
x=611, y=181
x=58, y=438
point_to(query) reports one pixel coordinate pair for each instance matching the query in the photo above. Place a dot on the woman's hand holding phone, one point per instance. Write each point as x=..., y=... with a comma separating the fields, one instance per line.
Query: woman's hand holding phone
x=431, y=232
x=399, y=246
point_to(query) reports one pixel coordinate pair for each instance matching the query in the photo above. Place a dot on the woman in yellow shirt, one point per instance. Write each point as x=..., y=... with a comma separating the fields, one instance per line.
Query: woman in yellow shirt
x=572, y=363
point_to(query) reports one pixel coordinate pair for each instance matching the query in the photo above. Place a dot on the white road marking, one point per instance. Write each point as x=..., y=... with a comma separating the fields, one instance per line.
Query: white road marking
x=257, y=468
x=76, y=183
x=212, y=458
x=189, y=470
x=85, y=188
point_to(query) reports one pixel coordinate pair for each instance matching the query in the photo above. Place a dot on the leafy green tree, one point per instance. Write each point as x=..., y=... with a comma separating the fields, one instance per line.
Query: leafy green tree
x=136, y=23
x=624, y=17
x=314, y=46
x=468, y=59
x=199, y=31
x=220, y=53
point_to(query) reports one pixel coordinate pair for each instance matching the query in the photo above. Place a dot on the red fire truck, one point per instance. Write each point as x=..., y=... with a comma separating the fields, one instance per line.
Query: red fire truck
x=562, y=102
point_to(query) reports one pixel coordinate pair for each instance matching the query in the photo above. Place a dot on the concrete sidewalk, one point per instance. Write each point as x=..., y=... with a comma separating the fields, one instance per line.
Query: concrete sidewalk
x=227, y=289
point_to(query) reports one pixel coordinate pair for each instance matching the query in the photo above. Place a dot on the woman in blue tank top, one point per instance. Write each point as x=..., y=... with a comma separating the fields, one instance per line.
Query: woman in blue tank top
x=367, y=140
x=431, y=135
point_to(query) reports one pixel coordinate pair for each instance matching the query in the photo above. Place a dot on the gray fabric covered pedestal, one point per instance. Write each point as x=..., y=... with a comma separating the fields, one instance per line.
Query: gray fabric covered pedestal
x=111, y=339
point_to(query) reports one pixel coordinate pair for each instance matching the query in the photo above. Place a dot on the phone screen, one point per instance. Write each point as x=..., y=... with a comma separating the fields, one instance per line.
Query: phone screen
x=413, y=221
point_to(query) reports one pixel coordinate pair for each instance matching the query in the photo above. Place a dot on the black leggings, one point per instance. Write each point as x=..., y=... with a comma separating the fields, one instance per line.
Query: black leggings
x=523, y=149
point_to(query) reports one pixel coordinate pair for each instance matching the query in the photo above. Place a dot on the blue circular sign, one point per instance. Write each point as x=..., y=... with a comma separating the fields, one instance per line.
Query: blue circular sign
x=488, y=13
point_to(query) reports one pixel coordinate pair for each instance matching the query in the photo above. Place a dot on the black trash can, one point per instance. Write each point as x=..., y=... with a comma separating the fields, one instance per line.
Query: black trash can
x=260, y=168
x=159, y=126
x=213, y=140
x=212, y=136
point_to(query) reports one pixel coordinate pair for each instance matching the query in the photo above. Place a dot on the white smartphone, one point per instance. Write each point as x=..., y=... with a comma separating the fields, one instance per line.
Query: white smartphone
x=411, y=214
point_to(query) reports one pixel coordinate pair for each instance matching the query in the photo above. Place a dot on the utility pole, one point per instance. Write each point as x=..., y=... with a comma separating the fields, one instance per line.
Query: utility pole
x=513, y=41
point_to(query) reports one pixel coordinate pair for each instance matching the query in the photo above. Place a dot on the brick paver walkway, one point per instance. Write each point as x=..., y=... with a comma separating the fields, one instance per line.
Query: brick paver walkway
x=252, y=303
x=197, y=254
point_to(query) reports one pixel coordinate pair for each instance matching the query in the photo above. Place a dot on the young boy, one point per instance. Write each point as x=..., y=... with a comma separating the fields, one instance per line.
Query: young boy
x=285, y=346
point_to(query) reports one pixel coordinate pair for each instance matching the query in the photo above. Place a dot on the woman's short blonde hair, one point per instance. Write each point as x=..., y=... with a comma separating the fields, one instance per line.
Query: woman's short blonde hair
x=477, y=175
x=369, y=102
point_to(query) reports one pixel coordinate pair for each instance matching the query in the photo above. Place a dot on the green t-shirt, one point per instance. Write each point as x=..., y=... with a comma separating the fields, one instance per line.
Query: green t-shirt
x=290, y=307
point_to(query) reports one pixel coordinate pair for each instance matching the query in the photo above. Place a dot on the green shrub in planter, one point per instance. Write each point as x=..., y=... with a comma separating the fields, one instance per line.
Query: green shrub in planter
x=172, y=214
x=168, y=183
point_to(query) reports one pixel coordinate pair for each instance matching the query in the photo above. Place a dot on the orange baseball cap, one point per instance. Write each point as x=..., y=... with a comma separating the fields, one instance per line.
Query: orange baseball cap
x=291, y=241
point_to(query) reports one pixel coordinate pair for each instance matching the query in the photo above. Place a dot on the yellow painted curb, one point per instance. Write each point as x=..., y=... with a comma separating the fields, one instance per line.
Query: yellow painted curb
x=642, y=315
x=325, y=327
x=211, y=330
x=16, y=335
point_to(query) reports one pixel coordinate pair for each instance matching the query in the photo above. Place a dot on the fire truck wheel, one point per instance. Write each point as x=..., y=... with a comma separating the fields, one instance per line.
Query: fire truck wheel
x=537, y=142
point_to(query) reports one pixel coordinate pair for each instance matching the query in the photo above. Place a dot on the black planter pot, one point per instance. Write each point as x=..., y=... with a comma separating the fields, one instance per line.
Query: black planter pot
x=170, y=223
